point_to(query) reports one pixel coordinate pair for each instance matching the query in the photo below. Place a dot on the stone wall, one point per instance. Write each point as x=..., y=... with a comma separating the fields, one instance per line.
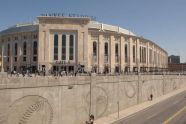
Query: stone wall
x=66, y=100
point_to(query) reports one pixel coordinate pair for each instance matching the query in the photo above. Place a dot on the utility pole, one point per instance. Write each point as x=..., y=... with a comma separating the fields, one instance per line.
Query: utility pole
x=90, y=104
x=138, y=89
x=118, y=94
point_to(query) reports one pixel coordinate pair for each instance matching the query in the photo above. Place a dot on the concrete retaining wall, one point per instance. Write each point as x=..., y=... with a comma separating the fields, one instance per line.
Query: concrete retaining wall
x=66, y=100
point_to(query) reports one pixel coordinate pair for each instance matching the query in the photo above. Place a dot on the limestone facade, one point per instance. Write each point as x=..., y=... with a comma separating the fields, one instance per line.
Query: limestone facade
x=67, y=43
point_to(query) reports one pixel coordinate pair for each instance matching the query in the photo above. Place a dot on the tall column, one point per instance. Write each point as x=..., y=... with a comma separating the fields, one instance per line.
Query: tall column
x=101, y=53
x=74, y=47
x=152, y=56
x=59, y=47
x=46, y=48
x=67, y=47
x=90, y=53
x=11, y=55
x=112, y=54
x=2, y=57
x=147, y=57
x=48, y=55
x=122, y=55
x=20, y=54
x=29, y=51
x=131, y=54
x=138, y=54
x=85, y=36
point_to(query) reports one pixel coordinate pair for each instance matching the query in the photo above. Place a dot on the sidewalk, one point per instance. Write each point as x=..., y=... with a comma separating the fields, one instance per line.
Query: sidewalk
x=132, y=110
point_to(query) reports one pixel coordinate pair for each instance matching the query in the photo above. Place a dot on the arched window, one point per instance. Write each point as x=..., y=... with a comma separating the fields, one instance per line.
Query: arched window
x=24, y=48
x=8, y=50
x=116, y=49
x=35, y=51
x=94, y=51
x=63, y=47
x=56, y=47
x=106, y=49
x=150, y=56
x=144, y=61
x=116, y=52
x=35, y=48
x=140, y=54
x=126, y=53
x=8, y=53
x=15, y=50
x=134, y=53
x=71, y=47
x=94, y=48
x=106, y=52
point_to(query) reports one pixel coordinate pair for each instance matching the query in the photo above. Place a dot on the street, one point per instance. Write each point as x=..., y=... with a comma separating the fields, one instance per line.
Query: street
x=170, y=111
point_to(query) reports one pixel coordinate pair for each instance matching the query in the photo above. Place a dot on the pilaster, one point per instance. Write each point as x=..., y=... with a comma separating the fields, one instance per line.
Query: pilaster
x=67, y=46
x=60, y=46
x=122, y=55
x=138, y=54
x=147, y=56
x=100, y=53
x=131, y=53
x=112, y=54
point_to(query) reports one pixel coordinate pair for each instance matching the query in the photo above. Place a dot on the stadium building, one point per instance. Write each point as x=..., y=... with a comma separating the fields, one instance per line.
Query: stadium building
x=55, y=43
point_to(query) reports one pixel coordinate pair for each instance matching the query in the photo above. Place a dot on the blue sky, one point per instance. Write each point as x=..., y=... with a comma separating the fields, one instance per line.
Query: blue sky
x=162, y=21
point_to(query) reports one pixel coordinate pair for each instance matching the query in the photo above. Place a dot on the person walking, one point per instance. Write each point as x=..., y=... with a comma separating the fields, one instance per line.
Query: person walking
x=151, y=97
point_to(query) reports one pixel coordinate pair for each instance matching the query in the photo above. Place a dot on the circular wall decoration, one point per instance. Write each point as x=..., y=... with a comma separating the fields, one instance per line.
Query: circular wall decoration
x=30, y=110
x=130, y=90
x=100, y=97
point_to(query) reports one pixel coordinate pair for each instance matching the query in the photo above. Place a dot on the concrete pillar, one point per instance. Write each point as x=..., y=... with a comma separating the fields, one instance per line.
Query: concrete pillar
x=122, y=51
x=80, y=48
x=119, y=53
x=90, y=53
x=153, y=56
x=147, y=56
x=131, y=53
x=30, y=50
x=11, y=55
x=2, y=57
x=138, y=54
x=59, y=46
x=84, y=36
x=74, y=46
x=20, y=54
x=112, y=54
x=67, y=47
x=100, y=53
x=46, y=48
x=42, y=42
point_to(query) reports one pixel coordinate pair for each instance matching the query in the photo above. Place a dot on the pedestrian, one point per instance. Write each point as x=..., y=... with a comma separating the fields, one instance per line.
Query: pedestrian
x=151, y=97
x=91, y=119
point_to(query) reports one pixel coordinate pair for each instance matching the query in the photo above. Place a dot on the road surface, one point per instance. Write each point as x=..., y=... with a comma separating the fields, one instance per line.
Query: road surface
x=170, y=111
